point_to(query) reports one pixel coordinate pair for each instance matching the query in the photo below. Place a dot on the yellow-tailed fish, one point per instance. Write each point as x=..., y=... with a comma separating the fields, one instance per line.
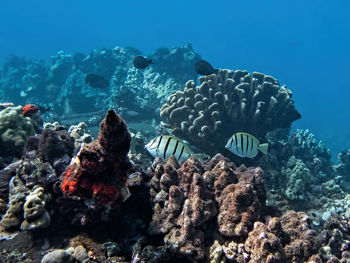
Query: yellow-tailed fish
x=166, y=145
x=245, y=145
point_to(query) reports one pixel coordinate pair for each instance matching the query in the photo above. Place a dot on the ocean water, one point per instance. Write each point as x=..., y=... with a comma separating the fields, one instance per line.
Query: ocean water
x=90, y=197
x=304, y=44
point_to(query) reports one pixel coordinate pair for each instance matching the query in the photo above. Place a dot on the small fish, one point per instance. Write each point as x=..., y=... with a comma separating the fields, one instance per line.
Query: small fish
x=44, y=108
x=165, y=145
x=204, y=68
x=29, y=110
x=96, y=81
x=141, y=62
x=245, y=145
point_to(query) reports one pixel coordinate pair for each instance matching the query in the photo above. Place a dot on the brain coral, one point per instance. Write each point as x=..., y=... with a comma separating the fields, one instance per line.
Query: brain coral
x=228, y=102
x=14, y=132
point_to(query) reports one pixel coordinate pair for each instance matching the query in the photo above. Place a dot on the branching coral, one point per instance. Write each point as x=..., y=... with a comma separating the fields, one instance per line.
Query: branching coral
x=298, y=180
x=228, y=102
x=305, y=143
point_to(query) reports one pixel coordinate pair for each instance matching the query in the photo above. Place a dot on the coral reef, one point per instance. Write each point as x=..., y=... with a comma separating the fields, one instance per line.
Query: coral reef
x=80, y=134
x=56, y=146
x=306, y=143
x=138, y=154
x=191, y=198
x=14, y=214
x=35, y=214
x=298, y=179
x=99, y=172
x=14, y=131
x=23, y=79
x=133, y=93
x=300, y=175
x=4, y=105
x=65, y=197
x=343, y=168
x=334, y=239
x=210, y=211
x=33, y=177
x=228, y=102
x=285, y=239
x=312, y=151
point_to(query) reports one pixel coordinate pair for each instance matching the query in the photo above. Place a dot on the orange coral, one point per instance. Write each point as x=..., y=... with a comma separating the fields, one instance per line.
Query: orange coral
x=105, y=193
x=69, y=187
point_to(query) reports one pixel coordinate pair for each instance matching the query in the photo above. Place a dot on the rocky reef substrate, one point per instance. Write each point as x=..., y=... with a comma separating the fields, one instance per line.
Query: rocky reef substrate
x=69, y=198
x=60, y=84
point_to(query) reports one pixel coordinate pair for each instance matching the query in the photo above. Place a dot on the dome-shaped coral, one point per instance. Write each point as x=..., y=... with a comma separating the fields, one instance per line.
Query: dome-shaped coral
x=228, y=102
x=14, y=132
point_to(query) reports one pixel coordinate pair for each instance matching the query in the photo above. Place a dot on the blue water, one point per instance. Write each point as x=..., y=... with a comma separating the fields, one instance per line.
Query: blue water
x=304, y=44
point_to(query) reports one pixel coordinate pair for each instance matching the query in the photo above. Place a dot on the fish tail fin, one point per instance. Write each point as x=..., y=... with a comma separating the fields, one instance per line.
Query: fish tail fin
x=263, y=148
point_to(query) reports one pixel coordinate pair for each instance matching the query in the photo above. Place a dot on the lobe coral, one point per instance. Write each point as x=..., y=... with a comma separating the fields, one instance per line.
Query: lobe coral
x=225, y=103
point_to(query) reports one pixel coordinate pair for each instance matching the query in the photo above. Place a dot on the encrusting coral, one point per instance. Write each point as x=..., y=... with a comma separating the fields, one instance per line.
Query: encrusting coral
x=228, y=102
x=99, y=171
x=35, y=215
x=13, y=217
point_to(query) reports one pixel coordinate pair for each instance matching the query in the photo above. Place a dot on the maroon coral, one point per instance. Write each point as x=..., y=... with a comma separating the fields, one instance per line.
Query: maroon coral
x=285, y=239
x=100, y=169
x=240, y=200
x=300, y=240
x=184, y=205
x=191, y=199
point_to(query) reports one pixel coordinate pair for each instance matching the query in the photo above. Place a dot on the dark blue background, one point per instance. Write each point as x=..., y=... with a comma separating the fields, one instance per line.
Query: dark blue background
x=304, y=44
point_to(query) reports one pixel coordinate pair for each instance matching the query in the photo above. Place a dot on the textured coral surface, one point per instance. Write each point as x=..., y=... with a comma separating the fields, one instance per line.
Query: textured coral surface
x=14, y=132
x=228, y=102
x=192, y=199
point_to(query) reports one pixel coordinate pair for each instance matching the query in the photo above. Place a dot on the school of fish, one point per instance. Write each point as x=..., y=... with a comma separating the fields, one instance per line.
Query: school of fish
x=241, y=144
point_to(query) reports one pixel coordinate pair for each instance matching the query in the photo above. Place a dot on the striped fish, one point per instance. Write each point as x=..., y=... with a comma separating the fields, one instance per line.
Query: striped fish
x=245, y=145
x=165, y=145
